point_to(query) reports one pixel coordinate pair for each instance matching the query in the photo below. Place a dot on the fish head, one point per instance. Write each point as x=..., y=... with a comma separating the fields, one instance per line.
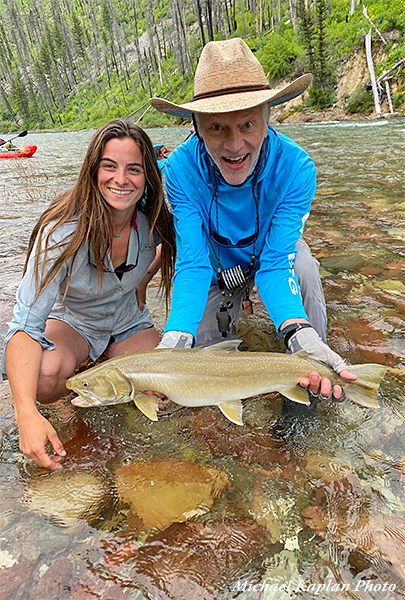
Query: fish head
x=100, y=387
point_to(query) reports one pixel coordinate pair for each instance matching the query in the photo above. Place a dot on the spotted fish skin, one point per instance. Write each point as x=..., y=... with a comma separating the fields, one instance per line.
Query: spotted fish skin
x=217, y=375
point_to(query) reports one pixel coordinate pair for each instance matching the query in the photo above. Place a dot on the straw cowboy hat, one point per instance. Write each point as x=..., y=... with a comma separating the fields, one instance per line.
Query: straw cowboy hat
x=229, y=77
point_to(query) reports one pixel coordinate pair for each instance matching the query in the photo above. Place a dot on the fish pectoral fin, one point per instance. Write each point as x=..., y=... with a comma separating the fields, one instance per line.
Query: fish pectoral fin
x=227, y=346
x=148, y=405
x=232, y=411
x=296, y=394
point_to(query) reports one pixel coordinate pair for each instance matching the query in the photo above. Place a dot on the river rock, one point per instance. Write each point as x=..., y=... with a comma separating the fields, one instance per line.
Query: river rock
x=12, y=577
x=376, y=541
x=6, y=399
x=327, y=468
x=88, y=448
x=342, y=514
x=67, y=496
x=391, y=286
x=193, y=561
x=395, y=265
x=344, y=263
x=370, y=271
x=362, y=338
x=263, y=511
x=161, y=492
x=250, y=444
x=53, y=581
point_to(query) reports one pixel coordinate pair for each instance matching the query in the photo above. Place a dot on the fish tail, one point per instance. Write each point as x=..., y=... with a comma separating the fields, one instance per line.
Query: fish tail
x=363, y=391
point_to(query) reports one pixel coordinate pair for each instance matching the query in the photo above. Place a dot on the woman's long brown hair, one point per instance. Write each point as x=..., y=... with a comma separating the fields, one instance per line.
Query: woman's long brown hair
x=84, y=204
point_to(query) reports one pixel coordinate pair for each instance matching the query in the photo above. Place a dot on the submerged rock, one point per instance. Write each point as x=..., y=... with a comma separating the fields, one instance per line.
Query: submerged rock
x=391, y=286
x=167, y=491
x=11, y=577
x=344, y=263
x=67, y=496
x=363, y=339
x=371, y=540
x=194, y=561
x=327, y=468
x=250, y=444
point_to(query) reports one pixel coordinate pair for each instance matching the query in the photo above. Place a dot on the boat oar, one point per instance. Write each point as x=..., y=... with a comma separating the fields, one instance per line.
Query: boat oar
x=22, y=134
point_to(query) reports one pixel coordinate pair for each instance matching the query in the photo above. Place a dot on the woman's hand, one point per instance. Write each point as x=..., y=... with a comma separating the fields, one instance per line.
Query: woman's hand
x=141, y=293
x=35, y=432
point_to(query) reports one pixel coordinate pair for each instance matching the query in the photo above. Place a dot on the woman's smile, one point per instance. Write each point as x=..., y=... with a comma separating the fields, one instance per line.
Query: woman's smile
x=120, y=177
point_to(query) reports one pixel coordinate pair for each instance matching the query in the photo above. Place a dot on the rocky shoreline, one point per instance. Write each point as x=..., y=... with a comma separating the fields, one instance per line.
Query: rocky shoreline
x=333, y=114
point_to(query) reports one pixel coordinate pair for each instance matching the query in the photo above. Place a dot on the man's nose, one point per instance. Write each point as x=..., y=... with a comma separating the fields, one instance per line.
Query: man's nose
x=234, y=140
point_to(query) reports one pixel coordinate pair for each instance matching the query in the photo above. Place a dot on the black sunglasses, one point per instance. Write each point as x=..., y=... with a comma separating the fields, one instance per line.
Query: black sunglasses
x=225, y=242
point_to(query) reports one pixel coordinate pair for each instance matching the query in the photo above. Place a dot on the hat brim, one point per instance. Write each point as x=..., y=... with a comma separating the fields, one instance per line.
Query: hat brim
x=232, y=102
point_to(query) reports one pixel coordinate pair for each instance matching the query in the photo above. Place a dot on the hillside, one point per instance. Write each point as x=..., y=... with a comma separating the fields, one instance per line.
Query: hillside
x=74, y=64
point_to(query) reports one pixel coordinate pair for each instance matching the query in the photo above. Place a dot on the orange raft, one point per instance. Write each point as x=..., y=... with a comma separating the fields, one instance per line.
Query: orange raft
x=24, y=152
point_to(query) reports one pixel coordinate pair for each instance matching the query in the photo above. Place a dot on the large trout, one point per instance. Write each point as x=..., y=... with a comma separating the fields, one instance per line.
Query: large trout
x=218, y=375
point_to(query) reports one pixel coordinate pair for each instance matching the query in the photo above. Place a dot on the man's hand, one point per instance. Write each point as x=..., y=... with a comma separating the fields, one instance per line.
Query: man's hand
x=35, y=432
x=307, y=339
x=322, y=388
x=176, y=339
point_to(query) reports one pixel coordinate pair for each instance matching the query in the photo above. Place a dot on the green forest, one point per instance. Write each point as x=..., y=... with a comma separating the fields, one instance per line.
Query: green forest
x=75, y=64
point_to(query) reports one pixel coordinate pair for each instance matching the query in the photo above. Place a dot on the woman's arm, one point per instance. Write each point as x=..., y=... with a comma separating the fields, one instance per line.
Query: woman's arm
x=23, y=360
x=151, y=272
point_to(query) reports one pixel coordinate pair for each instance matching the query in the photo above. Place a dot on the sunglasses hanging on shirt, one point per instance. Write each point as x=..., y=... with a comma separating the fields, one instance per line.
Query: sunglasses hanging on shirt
x=233, y=278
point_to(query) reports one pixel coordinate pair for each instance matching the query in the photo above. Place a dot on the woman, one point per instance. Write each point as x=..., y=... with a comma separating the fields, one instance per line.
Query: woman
x=88, y=252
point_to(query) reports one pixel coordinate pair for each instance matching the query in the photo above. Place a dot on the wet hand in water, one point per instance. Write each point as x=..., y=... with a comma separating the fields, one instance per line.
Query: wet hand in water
x=35, y=432
x=322, y=388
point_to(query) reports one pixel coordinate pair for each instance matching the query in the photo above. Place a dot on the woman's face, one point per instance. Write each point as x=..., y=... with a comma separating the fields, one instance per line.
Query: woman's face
x=120, y=176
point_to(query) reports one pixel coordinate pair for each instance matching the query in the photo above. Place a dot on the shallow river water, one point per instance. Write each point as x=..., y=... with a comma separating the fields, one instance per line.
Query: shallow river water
x=298, y=503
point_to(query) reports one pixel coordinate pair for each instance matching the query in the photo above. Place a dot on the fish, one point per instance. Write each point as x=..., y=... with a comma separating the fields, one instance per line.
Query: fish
x=217, y=375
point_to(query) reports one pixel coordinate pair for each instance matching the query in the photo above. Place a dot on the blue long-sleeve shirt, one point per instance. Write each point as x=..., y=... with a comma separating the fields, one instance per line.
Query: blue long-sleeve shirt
x=286, y=184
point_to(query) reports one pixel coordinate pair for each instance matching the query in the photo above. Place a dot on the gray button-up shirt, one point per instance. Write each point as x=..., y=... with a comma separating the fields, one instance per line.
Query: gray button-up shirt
x=96, y=316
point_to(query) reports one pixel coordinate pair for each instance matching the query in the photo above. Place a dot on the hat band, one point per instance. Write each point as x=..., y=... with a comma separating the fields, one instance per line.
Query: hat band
x=232, y=90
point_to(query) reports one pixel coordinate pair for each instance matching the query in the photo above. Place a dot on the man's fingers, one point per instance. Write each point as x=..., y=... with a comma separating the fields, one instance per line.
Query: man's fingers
x=322, y=389
x=304, y=383
x=347, y=374
x=314, y=383
x=326, y=389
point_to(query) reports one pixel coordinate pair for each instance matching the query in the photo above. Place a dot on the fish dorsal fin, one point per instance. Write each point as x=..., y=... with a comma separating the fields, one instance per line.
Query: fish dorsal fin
x=296, y=394
x=232, y=410
x=226, y=346
x=148, y=405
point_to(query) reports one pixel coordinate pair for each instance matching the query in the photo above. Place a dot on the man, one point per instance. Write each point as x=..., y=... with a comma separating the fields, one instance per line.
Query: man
x=240, y=195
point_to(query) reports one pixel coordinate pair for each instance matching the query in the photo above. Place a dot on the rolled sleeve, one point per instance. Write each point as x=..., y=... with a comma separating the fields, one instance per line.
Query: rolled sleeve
x=30, y=313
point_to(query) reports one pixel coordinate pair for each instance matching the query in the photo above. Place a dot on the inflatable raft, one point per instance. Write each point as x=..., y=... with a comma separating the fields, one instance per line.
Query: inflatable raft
x=161, y=153
x=24, y=152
